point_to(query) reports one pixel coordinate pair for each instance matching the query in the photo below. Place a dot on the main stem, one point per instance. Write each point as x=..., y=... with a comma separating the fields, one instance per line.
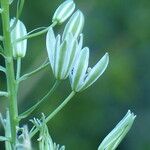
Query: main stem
x=11, y=82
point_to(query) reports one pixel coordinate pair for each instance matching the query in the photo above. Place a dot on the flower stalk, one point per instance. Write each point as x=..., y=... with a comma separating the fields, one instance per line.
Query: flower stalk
x=57, y=110
x=11, y=82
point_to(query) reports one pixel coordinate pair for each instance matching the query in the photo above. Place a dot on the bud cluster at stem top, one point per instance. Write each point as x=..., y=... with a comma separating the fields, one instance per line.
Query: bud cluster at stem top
x=66, y=55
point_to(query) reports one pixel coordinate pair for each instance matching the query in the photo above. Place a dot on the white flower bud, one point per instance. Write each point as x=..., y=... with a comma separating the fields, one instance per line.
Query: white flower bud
x=74, y=25
x=81, y=76
x=113, y=139
x=64, y=11
x=19, y=48
x=62, y=54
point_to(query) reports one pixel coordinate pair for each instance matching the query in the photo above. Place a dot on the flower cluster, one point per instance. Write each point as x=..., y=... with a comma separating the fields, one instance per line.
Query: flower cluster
x=67, y=55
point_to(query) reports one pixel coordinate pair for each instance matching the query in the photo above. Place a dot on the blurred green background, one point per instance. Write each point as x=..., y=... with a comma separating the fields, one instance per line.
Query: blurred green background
x=119, y=27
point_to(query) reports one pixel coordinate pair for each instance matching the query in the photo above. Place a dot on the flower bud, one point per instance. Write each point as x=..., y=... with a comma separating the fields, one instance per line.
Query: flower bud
x=113, y=139
x=74, y=25
x=62, y=54
x=19, y=48
x=64, y=11
x=82, y=76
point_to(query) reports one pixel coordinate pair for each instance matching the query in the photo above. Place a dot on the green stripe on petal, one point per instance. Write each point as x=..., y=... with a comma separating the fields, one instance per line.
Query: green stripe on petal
x=96, y=71
x=79, y=69
x=71, y=57
x=74, y=25
x=61, y=60
x=56, y=55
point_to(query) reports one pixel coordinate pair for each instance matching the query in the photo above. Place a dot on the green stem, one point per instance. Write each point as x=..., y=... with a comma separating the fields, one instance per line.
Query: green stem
x=28, y=75
x=36, y=34
x=30, y=110
x=58, y=109
x=18, y=68
x=11, y=82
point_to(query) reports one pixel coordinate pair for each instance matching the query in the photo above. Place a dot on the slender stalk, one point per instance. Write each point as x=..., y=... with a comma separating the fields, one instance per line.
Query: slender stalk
x=58, y=109
x=30, y=110
x=18, y=68
x=11, y=82
x=28, y=75
x=36, y=34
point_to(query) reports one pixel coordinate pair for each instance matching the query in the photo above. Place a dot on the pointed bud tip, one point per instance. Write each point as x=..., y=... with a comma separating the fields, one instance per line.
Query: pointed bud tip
x=132, y=114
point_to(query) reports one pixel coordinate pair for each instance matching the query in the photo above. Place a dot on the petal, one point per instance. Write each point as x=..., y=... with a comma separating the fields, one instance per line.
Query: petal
x=96, y=71
x=56, y=54
x=74, y=25
x=62, y=60
x=71, y=54
x=79, y=69
x=50, y=45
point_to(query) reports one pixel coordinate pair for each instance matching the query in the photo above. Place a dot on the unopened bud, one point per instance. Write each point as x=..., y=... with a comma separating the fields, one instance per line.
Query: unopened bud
x=64, y=11
x=19, y=48
x=74, y=25
x=113, y=139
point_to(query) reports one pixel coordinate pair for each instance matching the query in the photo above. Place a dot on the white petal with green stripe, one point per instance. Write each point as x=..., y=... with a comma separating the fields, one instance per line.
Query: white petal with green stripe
x=74, y=25
x=96, y=71
x=50, y=45
x=56, y=55
x=79, y=69
x=71, y=54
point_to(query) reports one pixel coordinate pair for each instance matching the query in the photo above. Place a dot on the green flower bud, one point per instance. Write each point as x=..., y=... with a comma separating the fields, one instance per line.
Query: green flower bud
x=81, y=76
x=64, y=11
x=113, y=139
x=74, y=25
x=19, y=48
x=62, y=54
